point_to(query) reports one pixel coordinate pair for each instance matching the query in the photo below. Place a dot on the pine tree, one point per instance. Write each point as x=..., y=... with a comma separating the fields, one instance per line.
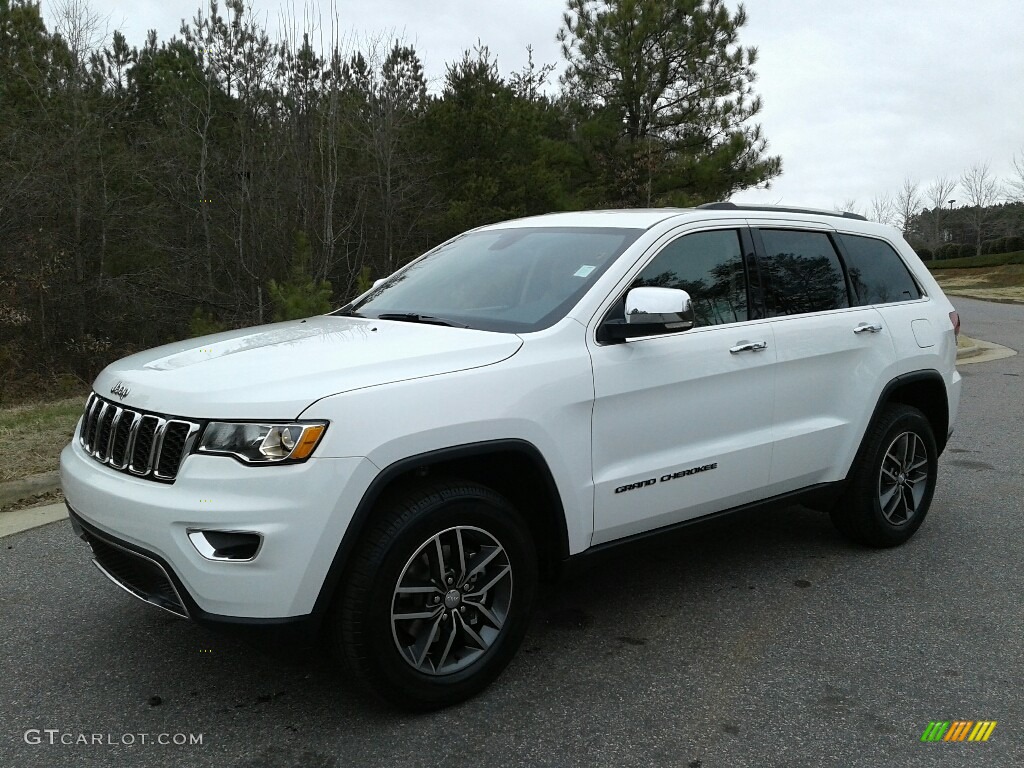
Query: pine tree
x=300, y=295
x=669, y=92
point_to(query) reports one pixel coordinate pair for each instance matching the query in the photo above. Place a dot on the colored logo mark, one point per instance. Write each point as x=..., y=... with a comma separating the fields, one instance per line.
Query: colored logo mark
x=958, y=730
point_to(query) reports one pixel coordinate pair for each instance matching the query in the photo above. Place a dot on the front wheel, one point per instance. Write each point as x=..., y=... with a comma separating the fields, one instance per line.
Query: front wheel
x=893, y=481
x=438, y=596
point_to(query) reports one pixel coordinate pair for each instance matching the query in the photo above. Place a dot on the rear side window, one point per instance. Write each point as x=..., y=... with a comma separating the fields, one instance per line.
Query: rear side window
x=708, y=266
x=878, y=274
x=802, y=273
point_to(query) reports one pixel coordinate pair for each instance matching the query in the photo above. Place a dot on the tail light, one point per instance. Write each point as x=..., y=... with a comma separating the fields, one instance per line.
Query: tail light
x=954, y=318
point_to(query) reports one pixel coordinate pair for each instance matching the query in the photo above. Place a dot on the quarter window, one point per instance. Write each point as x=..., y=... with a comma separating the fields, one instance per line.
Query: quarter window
x=877, y=273
x=708, y=266
x=802, y=273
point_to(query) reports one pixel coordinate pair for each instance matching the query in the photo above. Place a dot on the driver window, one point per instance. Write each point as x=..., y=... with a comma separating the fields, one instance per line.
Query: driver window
x=708, y=266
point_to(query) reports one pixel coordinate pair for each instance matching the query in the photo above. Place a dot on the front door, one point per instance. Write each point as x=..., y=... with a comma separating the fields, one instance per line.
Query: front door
x=682, y=422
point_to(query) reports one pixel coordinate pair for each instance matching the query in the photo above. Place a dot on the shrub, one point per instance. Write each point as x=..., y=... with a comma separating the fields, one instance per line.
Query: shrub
x=986, y=247
x=947, y=251
x=925, y=253
x=300, y=295
x=1013, y=243
x=967, y=250
x=69, y=385
x=204, y=323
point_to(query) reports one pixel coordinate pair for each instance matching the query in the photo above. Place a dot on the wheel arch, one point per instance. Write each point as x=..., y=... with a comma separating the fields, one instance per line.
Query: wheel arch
x=514, y=468
x=926, y=391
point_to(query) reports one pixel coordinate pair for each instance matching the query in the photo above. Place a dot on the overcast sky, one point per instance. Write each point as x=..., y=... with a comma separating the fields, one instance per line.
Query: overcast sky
x=857, y=95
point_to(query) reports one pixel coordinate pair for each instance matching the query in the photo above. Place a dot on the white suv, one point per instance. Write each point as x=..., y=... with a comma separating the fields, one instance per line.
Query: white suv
x=401, y=472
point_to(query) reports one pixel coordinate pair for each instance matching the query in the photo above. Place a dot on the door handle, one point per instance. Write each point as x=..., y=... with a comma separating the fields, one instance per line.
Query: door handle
x=867, y=328
x=749, y=346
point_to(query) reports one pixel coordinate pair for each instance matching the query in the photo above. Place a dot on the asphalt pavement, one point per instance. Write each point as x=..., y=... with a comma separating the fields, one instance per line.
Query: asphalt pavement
x=765, y=640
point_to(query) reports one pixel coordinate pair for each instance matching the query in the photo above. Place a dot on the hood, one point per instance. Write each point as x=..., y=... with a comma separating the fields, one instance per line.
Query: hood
x=276, y=371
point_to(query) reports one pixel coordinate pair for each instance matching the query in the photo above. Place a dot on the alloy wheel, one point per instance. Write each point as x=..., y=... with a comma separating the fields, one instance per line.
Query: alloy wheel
x=903, y=479
x=452, y=600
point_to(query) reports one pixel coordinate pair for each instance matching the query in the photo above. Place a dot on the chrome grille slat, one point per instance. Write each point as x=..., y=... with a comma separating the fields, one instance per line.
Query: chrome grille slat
x=91, y=417
x=109, y=447
x=94, y=418
x=99, y=441
x=84, y=427
x=142, y=468
x=158, y=443
x=180, y=451
x=131, y=418
x=130, y=442
x=103, y=434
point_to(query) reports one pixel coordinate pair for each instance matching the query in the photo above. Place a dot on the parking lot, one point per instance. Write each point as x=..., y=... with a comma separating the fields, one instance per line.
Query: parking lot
x=764, y=640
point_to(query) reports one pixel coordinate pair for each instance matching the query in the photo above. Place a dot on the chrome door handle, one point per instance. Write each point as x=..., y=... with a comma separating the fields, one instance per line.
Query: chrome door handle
x=749, y=346
x=867, y=328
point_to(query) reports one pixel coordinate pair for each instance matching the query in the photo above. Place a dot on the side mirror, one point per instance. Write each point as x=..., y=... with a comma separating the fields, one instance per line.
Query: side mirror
x=650, y=311
x=666, y=306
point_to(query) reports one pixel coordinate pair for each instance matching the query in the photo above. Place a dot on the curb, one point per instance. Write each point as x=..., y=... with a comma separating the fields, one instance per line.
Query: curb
x=993, y=299
x=33, y=485
x=983, y=352
x=27, y=519
x=970, y=349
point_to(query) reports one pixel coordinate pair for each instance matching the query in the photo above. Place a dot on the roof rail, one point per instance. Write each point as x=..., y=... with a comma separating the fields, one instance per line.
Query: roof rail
x=725, y=206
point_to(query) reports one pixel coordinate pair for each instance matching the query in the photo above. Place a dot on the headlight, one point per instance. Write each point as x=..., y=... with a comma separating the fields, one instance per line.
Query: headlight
x=262, y=443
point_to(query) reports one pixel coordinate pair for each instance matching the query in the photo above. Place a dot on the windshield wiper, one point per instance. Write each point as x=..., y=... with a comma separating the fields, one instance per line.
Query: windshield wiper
x=412, y=317
x=346, y=313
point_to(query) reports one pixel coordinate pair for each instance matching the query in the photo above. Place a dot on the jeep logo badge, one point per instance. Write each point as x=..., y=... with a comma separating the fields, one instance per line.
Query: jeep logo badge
x=120, y=390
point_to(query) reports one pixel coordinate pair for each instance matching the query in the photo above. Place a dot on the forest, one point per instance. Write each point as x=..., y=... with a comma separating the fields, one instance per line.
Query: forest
x=975, y=214
x=231, y=176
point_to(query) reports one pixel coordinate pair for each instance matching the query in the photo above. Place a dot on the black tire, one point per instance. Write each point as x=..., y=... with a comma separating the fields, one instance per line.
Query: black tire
x=463, y=517
x=887, y=499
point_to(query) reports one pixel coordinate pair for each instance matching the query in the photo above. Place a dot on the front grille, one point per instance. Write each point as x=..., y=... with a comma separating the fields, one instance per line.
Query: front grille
x=141, y=444
x=139, y=575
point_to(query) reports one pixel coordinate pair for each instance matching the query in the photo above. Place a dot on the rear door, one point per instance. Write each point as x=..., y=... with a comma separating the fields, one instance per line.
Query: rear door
x=831, y=354
x=881, y=279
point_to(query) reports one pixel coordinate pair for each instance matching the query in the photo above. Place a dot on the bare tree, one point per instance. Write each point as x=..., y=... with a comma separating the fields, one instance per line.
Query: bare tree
x=391, y=92
x=937, y=195
x=82, y=29
x=83, y=32
x=198, y=115
x=981, y=191
x=908, y=204
x=881, y=209
x=849, y=205
x=1015, y=184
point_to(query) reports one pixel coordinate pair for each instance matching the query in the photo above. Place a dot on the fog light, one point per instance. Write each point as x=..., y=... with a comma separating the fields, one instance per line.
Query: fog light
x=233, y=546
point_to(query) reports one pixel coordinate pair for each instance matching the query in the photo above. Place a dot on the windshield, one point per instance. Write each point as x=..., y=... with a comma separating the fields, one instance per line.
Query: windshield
x=516, y=280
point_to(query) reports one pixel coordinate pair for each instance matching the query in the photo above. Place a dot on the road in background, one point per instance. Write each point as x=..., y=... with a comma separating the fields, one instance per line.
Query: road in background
x=760, y=641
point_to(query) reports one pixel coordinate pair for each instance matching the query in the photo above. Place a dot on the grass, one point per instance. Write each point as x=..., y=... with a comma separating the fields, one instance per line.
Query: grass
x=1009, y=276
x=1000, y=282
x=39, y=432
x=968, y=262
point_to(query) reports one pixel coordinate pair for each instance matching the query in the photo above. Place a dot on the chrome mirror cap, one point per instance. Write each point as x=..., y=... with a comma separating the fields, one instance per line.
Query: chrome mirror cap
x=663, y=306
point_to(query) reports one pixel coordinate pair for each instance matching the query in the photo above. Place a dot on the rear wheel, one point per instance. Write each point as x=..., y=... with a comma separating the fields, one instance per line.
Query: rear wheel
x=438, y=596
x=893, y=482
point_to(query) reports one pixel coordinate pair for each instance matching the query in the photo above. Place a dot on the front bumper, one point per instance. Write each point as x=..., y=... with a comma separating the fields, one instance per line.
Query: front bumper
x=138, y=573
x=301, y=511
